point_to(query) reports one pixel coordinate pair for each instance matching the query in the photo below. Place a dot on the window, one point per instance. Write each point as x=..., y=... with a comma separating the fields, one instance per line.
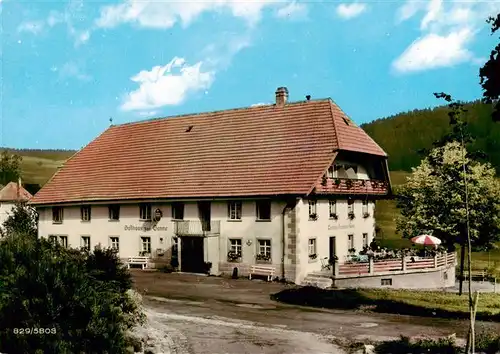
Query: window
x=312, y=210
x=264, y=250
x=146, y=244
x=85, y=242
x=312, y=248
x=332, y=206
x=387, y=282
x=114, y=243
x=85, y=213
x=365, y=206
x=331, y=172
x=350, y=241
x=145, y=211
x=235, y=250
x=63, y=241
x=53, y=239
x=114, y=212
x=365, y=240
x=57, y=215
x=178, y=211
x=234, y=210
x=350, y=206
x=264, y=210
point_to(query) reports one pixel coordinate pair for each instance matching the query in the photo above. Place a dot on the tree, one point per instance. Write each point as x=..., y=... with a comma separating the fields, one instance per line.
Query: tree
x=22, y=220
x=10, y=167
x=85, y=306
x=490, y=73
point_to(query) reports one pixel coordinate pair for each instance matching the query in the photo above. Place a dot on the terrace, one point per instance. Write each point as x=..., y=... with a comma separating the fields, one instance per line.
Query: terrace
x=352, y=186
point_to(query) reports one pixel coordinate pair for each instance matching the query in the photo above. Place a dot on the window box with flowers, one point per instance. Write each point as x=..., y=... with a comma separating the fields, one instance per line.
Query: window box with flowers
x=313, y=216
x=352, y=251
x=233, y=257
x=334, y=216
x=263, y=258
x=350, y=215
x=366, y=214
x=313, y=258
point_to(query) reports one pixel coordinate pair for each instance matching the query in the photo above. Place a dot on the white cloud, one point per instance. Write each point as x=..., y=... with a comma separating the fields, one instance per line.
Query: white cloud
x=147, y=113
x=348, y=11
x=293, y=11
x=158, y=14
x=447, y=30
x=161, y=86
x=434, y=51
x=71, y=70
x=409, y=9
x=34, y=27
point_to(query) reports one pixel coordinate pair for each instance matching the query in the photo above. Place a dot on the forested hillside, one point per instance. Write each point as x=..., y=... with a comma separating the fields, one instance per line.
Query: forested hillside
x=404, y=134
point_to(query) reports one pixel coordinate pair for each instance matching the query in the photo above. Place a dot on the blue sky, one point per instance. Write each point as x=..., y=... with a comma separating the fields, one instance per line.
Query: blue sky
x=67, y=67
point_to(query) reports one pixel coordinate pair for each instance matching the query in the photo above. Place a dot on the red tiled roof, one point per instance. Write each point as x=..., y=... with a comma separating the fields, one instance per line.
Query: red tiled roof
x=9, y=193
x=263, y=150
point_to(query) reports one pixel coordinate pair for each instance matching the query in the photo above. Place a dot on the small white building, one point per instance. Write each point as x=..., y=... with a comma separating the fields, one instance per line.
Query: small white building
x=11, y=194
x=287, y=184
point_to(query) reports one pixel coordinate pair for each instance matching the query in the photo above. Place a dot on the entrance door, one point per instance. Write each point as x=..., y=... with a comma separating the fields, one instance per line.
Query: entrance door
x=333, y=251
x=192, y=255
x=204, y=214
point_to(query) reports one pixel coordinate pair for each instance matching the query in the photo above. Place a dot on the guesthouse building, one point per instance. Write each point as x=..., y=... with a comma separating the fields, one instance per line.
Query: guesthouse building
x=286, y=185
x=10, y=195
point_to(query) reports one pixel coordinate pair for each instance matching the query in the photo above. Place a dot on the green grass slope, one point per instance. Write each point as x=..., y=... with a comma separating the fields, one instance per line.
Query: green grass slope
x=38, y=166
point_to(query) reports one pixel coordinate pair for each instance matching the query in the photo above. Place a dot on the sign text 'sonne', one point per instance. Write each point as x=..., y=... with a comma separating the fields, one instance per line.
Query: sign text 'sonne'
x=145, y=228
x=340, y=227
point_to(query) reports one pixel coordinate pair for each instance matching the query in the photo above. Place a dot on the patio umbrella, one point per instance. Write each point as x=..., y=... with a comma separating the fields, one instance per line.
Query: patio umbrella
x=426, y=240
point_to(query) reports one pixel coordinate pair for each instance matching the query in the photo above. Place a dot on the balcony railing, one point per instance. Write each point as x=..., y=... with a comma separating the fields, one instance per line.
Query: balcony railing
x=351, y=186
x=196, y=228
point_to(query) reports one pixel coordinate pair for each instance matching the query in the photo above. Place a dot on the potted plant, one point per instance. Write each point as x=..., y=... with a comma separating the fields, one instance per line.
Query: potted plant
x=233, y=256
x=323, y=181
x=350, y=215
x=337, y=181
x=313, y=256
x=351, y=250
x=349, y=183
x=208, y=266
x=313, y=216
x=366, y=214
x=374, y=184
x=332, y=260
x=263, y=257
x=334, y=216
x=362, y=182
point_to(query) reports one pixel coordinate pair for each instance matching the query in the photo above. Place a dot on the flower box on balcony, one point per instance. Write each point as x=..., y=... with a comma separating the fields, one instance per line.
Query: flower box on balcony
x=263, y=258
x=337, y=182
x=233, y=257
x=349, y=184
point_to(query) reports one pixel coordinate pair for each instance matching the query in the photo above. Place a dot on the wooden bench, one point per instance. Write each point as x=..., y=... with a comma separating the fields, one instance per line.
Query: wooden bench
x=263, y=270
x=482, y=274
x=142, y=261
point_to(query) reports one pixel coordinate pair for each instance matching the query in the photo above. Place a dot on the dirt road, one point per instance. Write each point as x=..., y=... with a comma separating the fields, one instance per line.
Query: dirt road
x=216, y=315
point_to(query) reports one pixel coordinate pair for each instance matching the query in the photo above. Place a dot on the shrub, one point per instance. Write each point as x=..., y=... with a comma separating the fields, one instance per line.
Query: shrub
x=81, y=296
x=403, y=345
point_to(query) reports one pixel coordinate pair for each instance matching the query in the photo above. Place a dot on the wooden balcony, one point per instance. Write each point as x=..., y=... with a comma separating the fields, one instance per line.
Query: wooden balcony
x=352, y=186
x=196, y=228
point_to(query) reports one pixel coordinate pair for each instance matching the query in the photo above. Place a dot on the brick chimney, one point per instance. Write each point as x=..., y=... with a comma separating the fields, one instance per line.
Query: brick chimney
x=281, y=96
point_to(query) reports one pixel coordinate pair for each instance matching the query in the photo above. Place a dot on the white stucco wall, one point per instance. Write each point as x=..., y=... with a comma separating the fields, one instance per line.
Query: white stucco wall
x=248, y=229
x=100, y=229
x=5, y=210
x=323, y=228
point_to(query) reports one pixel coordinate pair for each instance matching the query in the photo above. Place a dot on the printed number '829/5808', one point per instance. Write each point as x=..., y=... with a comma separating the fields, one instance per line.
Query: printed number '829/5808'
x=34, y=330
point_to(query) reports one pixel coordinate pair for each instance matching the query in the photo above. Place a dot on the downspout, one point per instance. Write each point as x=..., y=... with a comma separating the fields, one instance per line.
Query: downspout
x=283, y=237
x=288, y=205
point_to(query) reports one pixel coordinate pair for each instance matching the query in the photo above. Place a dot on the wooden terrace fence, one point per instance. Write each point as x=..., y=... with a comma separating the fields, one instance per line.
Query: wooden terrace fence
x=374, y=267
